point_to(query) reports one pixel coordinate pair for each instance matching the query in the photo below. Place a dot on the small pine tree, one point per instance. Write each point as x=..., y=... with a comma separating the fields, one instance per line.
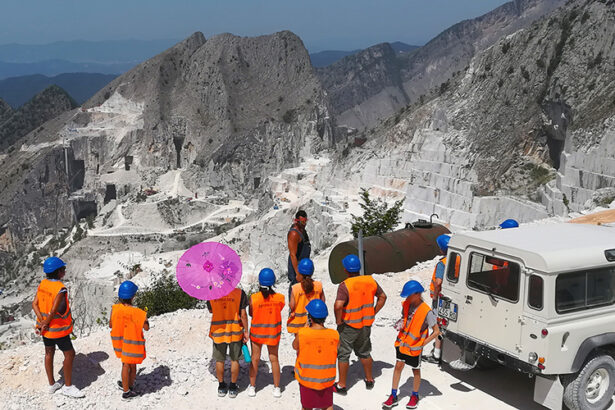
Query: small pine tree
x=377, y=218
x=164, y=296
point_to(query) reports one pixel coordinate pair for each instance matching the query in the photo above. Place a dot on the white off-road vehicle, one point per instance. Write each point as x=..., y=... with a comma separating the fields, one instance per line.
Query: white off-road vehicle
x=538, y=299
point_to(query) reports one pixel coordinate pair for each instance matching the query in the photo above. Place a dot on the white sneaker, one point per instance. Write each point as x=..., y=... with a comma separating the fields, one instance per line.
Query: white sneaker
x=277, y=393
x=72, y=391
x=251, y=391
x=54, y=388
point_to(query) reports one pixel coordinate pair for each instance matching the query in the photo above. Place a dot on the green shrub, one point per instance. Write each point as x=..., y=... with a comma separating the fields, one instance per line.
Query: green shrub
x=377, y=218
x=164, y=296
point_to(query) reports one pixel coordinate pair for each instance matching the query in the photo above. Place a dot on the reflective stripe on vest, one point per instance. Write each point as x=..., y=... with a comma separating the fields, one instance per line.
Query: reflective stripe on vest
x=301, y=300
x=410, y=338
x=359, y=312
x=60, y=325
x=226, y=326
x=266, y=325
x=127, y=333
x=315, y=366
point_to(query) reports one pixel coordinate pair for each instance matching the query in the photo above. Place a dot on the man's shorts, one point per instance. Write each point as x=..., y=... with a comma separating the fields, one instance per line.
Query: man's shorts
x=354, y=339
x=233, y=348
x=63, y=343
x=412, y=361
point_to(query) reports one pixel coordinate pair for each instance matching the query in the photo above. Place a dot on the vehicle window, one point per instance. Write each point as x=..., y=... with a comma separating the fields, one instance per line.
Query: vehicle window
x=584, y=290
x=494, y=276
x=452, y=269
x=534, y=298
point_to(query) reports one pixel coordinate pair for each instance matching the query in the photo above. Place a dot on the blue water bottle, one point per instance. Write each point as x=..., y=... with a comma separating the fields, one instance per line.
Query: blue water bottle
x=246, y=353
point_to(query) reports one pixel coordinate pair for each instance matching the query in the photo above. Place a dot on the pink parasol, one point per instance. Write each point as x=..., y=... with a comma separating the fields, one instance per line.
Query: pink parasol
x=208, y=270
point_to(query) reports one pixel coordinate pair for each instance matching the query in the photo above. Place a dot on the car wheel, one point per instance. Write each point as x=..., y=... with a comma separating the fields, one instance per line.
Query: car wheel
x=592, y=388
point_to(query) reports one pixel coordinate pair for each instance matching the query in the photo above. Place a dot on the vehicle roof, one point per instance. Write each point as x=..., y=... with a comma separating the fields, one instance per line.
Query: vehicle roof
x=548, y=248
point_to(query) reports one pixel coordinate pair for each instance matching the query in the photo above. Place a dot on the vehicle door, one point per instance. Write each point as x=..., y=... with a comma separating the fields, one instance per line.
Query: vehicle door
x=492, y=307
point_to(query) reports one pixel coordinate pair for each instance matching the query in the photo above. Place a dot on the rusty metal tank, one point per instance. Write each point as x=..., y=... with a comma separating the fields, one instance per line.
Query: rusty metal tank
x=392, y=252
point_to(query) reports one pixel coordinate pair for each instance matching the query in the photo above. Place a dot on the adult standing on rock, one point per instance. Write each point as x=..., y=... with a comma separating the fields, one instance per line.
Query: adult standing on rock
x=354, y=314
x=298, y=247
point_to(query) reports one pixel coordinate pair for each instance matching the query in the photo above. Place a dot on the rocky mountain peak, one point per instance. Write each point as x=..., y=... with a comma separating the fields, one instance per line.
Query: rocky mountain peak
x=44, y=106
x=5, y=111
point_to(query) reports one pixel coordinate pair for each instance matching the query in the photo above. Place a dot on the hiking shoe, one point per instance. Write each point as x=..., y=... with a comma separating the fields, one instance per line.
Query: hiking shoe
x=277, y=393
x=340, y=390
x=390, y=403
x=413, y=403
x=369, y=384
x=54, y=387
x=251, y=391
x=120, y=386
x=129, y=395
x=222, y=389
x=72, y=391
x=431, y=359
x=233, y=390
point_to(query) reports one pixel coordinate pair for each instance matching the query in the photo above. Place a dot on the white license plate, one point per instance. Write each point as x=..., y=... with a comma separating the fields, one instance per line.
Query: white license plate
x=447, y=309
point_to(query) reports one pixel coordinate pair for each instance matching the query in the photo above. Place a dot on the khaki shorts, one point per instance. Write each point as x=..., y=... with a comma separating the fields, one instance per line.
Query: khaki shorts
x=357, y=340
x=220, y=349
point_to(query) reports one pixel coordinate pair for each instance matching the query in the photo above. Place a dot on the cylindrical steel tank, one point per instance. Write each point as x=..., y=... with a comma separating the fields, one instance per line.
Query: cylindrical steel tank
x=391, y=252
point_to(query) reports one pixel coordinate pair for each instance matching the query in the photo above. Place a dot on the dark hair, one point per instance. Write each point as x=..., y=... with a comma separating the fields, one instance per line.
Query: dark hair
x=300, y=213
x=317, y=321
x=267, y=291
x=56, y=273
x=126, y=301
x=307, y=284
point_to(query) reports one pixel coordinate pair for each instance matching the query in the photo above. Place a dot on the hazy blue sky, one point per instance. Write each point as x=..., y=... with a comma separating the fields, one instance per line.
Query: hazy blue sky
x=330, y=24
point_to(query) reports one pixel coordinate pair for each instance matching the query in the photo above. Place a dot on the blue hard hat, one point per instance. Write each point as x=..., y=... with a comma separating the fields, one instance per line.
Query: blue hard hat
x=443, y=241
x=352, y=263
x=306, y=267
x=127, y=290
x=317, y=309
x=266, y=277
x=509, y=223
x=411, y=287
x=52, y=264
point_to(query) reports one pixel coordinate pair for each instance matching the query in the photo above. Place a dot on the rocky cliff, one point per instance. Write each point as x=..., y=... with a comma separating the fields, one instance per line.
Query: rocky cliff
x=228, y=112
x=47, y=104
x=375, y=84
x=5, y=111
x=532, y=113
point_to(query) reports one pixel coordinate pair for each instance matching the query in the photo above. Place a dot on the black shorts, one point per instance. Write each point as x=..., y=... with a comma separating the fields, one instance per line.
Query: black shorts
x=412, y=361
x=63, y=343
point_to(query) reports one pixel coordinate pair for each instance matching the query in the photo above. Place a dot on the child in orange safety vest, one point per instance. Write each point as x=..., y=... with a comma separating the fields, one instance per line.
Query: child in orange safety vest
x=55, y=323
x=127, y=324
x=266, y=329
x=417, y=319
x=315, y=368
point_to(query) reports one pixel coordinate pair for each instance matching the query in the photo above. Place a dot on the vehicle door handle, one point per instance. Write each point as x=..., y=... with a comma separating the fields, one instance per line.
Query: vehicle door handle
x=468, y=299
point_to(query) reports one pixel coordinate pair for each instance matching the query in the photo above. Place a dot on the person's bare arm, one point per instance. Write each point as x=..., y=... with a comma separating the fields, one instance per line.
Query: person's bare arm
x=338, y=307
x=250, y=308
x=292, y=305
x=437, y=287
x=322, y=296
x=296, y=343
x=110, y=316
x=433, y=335
x=382, y=298
x=146, y=325
x=244, y=322
x=37, y=311
x=293, y=243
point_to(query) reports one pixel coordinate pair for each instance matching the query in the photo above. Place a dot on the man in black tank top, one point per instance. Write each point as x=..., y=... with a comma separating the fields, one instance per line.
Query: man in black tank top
x=298, y=246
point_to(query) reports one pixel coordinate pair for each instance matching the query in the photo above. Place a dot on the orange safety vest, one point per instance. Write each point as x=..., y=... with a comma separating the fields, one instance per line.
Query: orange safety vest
x=359, y=312
x=410, y=339
x=432, y=285
x=60, y=325
x=301, y=300
x=315, y=365
x=501, y=278
x=127, y=333
x=266, y=325
x=226, y=324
